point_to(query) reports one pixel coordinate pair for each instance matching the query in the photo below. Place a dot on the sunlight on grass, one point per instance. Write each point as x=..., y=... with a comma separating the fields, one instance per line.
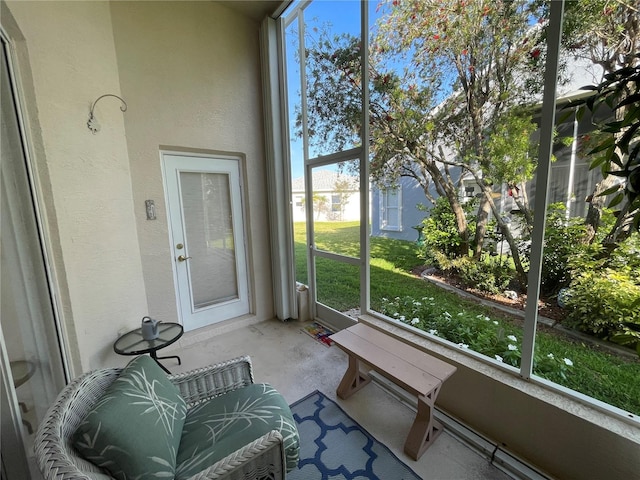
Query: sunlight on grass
x=420, y=304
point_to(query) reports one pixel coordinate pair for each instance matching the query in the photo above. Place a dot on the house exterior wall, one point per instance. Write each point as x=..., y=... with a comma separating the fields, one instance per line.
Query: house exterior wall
x=348, y=213
x=410, y=216
x=86, y=178
x=190, y=74
x=327, y=185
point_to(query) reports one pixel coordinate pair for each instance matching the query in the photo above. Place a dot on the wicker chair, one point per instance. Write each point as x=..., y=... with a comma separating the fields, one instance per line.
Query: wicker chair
x=57, y=459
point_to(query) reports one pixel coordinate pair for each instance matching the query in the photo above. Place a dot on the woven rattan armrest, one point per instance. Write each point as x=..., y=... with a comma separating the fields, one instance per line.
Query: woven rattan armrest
x=262, y=458
x=55, y=455
x=201, y=384
x=57, y=459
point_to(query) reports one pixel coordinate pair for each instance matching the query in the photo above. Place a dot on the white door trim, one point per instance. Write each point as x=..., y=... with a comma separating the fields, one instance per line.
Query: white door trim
x=230, y=164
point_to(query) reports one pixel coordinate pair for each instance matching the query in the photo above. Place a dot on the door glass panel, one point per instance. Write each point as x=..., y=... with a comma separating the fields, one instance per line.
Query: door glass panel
x=28, y=323
x=336, y=208
x=338, y=285
x=206, y=201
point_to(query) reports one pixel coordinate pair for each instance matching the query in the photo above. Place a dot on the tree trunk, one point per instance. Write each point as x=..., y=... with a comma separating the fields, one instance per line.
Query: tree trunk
x=515, y=255
x=461, y=223
x=522, y=201
x=482, y=218
x=596, y=205
x=621, y=230
x=452, y=196
x=506, y=232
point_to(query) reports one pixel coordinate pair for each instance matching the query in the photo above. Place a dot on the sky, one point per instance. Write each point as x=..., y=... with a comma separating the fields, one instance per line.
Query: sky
x=344, y=16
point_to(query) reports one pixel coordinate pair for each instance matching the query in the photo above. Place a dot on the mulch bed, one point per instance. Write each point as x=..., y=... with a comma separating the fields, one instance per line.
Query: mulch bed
x=547, y=307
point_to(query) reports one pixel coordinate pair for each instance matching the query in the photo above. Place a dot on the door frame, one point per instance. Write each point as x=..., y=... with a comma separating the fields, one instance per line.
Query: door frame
x=328, y=315
x=210, y=155
x=15, y=461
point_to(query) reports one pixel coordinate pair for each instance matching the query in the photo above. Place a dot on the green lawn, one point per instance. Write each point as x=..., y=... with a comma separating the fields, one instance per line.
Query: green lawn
x=399, y=294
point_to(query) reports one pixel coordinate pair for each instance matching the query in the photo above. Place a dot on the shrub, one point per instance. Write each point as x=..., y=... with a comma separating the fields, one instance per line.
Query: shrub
x=604, y=294
x=563, y=239
x=603, y=301
x=490, y=276
x=440, y=230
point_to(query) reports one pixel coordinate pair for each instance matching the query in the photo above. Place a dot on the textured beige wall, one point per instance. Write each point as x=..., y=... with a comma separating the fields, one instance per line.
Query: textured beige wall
x=190, y=72
x=72, y=61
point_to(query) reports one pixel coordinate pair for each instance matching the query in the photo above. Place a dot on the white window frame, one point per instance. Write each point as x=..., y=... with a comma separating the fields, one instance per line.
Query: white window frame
x=543, y=173
x=336, y=205
x=384, y=209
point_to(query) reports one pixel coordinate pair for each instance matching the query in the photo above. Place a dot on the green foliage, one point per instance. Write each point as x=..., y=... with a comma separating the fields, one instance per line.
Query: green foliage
x=563, y=239
x=601, y=301
x=474, y=331
x=603, y=31
x=511, y=150
x=441, y=234
x=491, y=276
x=440, y=247
x=604, y=295
x=617, y=149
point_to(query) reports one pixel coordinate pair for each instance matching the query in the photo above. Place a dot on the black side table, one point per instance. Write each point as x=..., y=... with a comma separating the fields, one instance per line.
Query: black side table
x=132, y=343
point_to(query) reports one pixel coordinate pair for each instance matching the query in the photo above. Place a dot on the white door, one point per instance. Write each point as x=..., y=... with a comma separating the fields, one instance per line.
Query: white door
x=206, y=225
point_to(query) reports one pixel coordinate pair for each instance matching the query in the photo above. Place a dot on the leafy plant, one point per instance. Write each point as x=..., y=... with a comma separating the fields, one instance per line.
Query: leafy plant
x=617, y=148
x=601, y=301
x=604, y=295
x=563, y=240
x=440, y=230
x=475, y=331
x=489, y=276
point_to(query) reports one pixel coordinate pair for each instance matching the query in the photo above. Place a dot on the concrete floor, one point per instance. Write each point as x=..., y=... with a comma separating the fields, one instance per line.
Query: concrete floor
x=296, y=365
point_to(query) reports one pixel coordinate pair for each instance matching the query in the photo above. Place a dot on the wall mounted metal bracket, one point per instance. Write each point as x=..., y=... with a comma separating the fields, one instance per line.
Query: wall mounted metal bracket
x=92, y=123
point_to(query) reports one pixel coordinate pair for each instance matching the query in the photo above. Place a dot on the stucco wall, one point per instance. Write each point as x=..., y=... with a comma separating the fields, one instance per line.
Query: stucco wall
x=190, y=72
x=87, y=187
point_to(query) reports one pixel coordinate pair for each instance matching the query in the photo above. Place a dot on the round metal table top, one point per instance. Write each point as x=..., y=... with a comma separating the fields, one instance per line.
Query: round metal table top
x=21, y=371
x=132, y=343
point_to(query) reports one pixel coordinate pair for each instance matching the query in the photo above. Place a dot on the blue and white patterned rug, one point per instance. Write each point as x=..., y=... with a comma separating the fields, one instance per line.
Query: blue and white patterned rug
x=333, y=446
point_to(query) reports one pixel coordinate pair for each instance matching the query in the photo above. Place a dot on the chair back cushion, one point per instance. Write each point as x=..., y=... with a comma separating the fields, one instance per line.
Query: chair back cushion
x=224, y=424
x=133, y=431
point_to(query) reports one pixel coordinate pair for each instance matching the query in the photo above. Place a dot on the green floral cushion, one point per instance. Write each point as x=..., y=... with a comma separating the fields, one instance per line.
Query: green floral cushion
x=226, y=423
x=134, y=430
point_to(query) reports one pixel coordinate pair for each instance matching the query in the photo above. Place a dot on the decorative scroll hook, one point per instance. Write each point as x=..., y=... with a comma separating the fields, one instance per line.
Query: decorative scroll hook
x=92, y=123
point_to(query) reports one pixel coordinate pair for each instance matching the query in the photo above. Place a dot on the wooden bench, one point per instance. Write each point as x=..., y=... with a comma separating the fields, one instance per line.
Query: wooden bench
x=415, y=371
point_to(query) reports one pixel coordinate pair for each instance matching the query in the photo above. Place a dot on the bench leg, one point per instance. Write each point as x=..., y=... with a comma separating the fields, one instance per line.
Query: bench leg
x=425, y=428
x=353, y=380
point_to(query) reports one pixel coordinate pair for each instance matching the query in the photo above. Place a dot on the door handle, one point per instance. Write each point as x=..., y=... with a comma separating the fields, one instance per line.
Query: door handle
x=182, y=258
